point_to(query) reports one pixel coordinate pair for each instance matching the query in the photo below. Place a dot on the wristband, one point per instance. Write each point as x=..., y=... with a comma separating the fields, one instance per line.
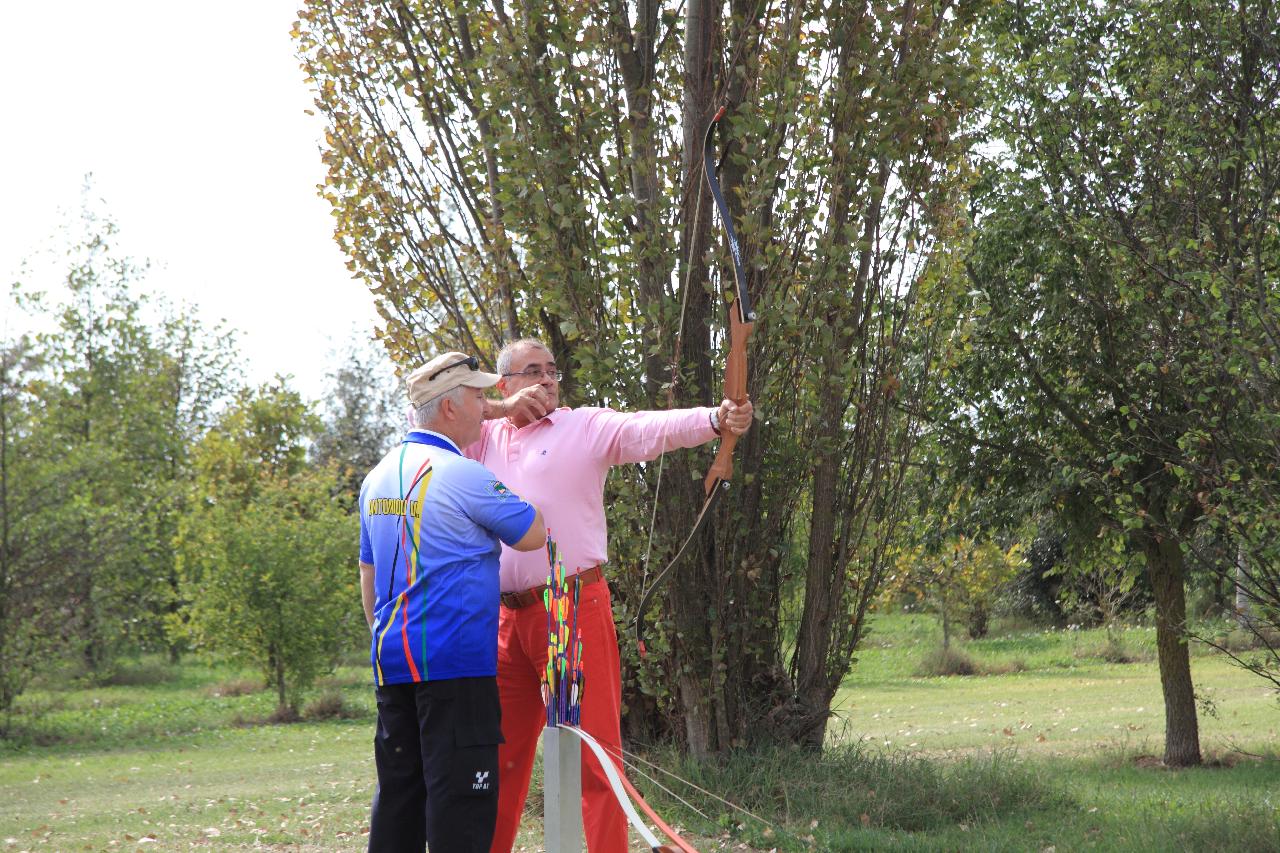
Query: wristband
x=714, y=417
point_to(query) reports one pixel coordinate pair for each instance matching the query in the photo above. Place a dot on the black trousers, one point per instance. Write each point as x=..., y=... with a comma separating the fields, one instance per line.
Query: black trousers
x=436, y=750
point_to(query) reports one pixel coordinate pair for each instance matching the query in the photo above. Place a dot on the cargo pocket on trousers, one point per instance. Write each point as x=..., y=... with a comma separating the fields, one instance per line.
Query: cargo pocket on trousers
x=476, y=735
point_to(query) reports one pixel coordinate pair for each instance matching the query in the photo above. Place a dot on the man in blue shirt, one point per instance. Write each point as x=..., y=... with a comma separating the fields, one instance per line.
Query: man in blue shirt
x=430, y=524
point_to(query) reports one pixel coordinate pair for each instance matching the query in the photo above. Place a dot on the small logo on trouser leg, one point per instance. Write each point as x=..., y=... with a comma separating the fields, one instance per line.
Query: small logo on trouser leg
x=482, y=781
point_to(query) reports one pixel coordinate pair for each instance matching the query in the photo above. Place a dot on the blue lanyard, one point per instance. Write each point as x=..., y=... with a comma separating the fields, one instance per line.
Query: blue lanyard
x=431, y=440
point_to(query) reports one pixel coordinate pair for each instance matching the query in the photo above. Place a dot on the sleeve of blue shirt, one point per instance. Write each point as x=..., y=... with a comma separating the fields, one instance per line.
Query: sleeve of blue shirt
x=366, y=546
x=495, y=507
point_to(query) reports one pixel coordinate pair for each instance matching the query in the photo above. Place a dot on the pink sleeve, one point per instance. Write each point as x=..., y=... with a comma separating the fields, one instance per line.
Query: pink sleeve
x=621, y=437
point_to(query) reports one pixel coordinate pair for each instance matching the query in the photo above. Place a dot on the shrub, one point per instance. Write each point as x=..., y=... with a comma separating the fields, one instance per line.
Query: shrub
x=1005, y=668
x=270, y=581
x=1116, y=650
x=141, y=674
x=284, y=714
x=331, y=704
x=1245, y=640
x=947, y=661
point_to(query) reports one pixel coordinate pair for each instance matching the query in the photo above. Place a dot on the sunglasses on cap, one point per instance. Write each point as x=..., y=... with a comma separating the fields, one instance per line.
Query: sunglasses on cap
x=470, y=361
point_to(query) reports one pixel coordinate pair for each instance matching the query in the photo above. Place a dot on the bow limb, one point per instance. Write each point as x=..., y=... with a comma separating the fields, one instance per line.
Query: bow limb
x=741, y=316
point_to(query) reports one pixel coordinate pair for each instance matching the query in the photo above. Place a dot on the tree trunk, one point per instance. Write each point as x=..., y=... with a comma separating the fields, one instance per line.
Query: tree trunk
x=1243, y=603
x=1166, y=570
x=821, y=596
x=694, y=590
x=282, y=696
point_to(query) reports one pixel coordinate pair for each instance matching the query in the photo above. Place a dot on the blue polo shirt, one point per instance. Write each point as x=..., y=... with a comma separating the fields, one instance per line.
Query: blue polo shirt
x=430, y=521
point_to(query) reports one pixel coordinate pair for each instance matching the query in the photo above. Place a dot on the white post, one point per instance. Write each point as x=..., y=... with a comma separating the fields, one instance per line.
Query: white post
x=562, y=791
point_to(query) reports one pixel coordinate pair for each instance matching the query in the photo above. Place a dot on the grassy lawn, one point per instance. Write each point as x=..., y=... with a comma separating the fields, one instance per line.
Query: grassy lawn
x=1065, y=701
x=1059, y=752
x=178, y=761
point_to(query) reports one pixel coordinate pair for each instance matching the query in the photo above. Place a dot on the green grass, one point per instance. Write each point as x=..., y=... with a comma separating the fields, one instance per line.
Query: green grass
x=167, y=762
x=192, y=700
x=1061, y=754
x=237, y=787
x=1065, y=702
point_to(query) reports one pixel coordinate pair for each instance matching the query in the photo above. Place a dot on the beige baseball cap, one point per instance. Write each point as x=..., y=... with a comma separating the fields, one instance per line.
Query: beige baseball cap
x=444, y=373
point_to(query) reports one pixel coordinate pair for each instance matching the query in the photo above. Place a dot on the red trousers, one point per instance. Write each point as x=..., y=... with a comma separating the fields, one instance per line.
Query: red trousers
x=522, y=658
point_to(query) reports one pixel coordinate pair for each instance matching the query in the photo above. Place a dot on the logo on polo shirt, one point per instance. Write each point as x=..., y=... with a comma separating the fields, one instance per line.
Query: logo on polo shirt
x=482, y=781
x=394, y=506
x=500, y=490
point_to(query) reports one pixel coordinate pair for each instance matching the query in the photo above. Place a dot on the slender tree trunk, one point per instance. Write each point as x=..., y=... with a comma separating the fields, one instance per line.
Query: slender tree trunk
x=1243, y=603
x=1166, y=569
x=946, y=624
x=282, y=698
x=691, y=610
x=821, y=597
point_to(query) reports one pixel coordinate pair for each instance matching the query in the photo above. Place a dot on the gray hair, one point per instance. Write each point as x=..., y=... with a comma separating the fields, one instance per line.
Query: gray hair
x=422, y=417
x=505, y=354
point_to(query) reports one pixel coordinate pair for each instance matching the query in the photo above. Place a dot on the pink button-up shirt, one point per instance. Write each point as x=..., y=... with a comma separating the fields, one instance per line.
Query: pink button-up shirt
x=559, y=464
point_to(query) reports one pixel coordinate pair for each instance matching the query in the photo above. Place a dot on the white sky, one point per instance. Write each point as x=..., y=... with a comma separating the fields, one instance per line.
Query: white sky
x=190, y=117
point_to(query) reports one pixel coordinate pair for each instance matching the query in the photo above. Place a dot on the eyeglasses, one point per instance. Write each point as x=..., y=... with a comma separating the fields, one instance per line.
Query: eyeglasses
x=537, y=373
x=470, y=361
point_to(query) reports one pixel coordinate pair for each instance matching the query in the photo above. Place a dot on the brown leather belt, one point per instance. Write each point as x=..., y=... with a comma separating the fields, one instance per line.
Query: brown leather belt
x=517, y=600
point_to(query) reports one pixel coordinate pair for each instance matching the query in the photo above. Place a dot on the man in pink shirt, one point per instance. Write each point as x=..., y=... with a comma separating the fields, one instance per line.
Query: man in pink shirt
x=557, y=458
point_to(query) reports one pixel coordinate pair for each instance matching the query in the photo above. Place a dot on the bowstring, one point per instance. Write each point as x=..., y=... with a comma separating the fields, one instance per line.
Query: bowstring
x=634, y=768
x=675, y=366
x=632, y=762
